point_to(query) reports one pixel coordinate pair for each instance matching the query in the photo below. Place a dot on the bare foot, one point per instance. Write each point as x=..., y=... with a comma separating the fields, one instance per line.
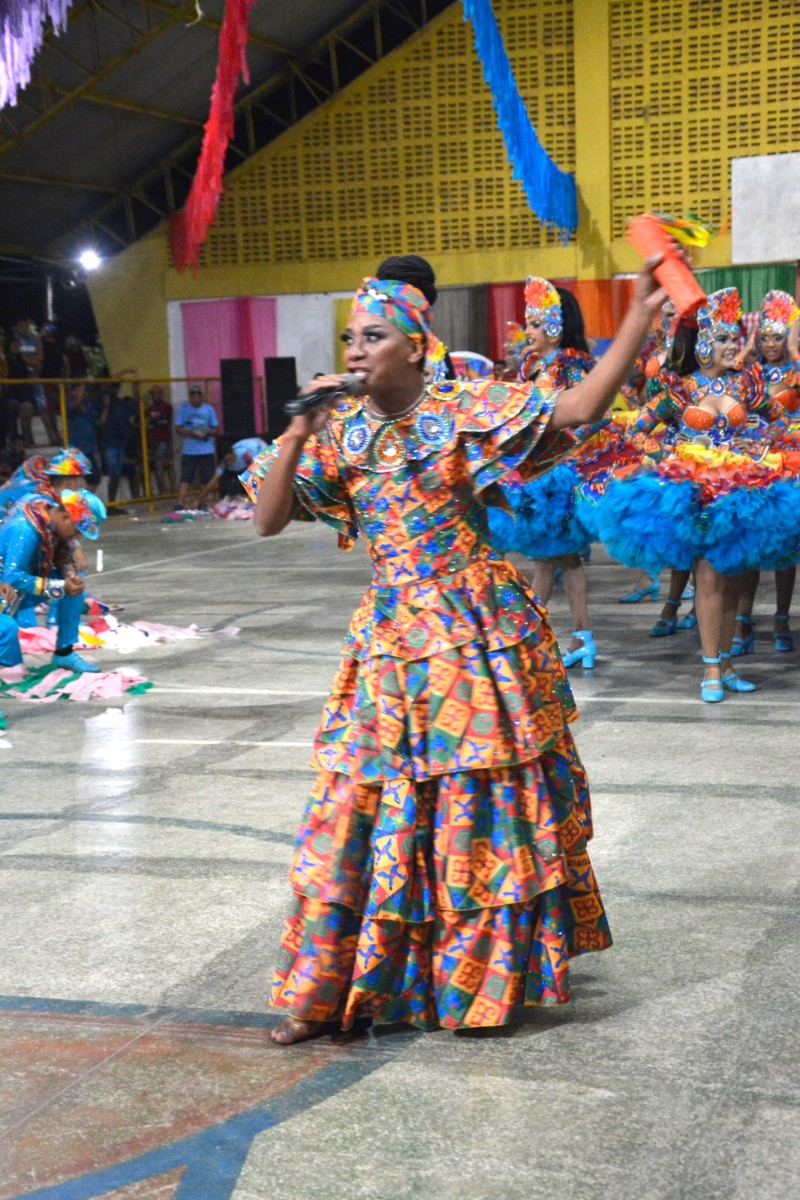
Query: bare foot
x=294, y=1030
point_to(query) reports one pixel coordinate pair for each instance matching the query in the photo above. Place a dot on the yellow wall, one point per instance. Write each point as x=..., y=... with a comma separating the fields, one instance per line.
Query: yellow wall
x=646, y=100
x=130, y=305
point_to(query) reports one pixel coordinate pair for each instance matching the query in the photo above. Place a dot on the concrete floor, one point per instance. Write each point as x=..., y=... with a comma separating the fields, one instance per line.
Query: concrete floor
x=143, y=851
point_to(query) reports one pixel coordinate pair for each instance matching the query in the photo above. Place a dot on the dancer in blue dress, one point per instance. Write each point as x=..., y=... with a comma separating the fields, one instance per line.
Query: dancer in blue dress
x=717, y=499
x=545, y=520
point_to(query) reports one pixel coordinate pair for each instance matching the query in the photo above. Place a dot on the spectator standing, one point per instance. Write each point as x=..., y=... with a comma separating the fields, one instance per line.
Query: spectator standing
x=115, y=426
x=25, y=360
x=84, y=409
x=159, y=437
x=196, y=423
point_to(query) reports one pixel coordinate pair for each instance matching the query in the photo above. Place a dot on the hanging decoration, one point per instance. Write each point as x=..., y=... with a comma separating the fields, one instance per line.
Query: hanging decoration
x=21, y=34
x=551, y=192
x=190, y=226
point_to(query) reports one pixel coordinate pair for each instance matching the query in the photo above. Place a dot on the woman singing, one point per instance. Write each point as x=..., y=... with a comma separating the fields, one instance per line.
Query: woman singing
x=441, y=874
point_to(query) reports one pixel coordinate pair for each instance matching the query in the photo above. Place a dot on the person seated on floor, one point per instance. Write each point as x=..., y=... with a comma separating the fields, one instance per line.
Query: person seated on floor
x=235, y=459
x=37, y=560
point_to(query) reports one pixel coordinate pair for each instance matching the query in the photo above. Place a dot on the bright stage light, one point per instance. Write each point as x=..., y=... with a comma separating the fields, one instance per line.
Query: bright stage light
x=90, y=260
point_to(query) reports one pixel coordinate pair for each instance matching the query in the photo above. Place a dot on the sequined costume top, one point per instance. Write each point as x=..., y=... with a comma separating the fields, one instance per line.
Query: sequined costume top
x=710, y=412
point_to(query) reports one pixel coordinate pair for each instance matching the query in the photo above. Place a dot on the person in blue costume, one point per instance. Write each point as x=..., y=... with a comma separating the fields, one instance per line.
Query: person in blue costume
x=778, y=319
x=545, y=523
x=716, y=499
x=67, y=469
x=26, y=479
x=36, y=560
x=648, y=363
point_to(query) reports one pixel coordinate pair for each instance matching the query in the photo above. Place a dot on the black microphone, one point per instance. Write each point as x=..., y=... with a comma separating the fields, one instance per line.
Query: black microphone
x=350, y=385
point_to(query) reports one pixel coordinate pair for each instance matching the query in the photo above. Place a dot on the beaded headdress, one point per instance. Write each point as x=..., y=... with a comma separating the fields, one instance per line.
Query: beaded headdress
x=542, y=300
x=85, y=510
x=778, y=312
x=721, y=312
x=69, y=462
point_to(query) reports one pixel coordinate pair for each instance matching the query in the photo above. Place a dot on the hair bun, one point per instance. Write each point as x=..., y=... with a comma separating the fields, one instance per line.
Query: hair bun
x=413, y=269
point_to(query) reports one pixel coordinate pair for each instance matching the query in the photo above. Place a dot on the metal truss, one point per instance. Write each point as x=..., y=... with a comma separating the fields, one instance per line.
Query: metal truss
x=303, y=84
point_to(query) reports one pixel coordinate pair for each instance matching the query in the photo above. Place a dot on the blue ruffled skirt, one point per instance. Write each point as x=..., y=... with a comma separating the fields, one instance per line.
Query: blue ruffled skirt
x=650, y=522
x=547, y=516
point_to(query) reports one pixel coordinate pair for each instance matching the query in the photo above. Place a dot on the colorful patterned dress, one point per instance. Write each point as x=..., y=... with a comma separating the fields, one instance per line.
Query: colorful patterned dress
x=441, y=875
x=712, y=488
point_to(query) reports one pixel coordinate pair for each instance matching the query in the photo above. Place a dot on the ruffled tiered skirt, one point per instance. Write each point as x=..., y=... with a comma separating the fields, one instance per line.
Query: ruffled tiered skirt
x=735, y=510
x=441, y=875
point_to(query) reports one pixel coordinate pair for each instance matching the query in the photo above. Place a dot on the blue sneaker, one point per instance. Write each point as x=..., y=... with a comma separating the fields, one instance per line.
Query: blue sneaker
x=74, y=662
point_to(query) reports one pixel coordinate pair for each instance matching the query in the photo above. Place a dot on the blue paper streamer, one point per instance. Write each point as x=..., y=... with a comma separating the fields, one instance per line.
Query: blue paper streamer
x=551, y=192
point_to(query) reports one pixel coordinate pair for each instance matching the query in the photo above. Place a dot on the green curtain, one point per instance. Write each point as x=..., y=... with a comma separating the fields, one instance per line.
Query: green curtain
x=752, y=282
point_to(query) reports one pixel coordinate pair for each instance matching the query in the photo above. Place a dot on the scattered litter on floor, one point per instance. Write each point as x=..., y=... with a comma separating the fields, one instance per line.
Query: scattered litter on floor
x=51, y=682
x=235, y=508
x=108, y=633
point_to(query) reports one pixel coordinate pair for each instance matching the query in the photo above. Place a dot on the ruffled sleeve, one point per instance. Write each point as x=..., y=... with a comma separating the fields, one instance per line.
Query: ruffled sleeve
x=318, y=486
x=503, y=428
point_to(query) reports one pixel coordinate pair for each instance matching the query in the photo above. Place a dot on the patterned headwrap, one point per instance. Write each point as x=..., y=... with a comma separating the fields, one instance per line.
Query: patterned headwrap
x=85, y=509
x=778, y=312
x=542, y=300
x=70, y=461
x=402, y=305
x=721, y=312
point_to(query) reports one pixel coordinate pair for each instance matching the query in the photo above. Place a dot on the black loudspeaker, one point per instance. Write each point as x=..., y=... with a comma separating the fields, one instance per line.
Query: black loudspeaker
x=236, y=377
x=280, y=379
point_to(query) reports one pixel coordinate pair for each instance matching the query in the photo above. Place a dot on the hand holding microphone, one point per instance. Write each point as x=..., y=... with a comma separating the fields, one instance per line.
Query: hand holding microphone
x=340, y=385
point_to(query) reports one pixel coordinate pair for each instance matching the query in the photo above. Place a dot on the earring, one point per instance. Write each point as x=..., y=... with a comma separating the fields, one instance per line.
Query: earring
x=704, y=352
x=552, y=331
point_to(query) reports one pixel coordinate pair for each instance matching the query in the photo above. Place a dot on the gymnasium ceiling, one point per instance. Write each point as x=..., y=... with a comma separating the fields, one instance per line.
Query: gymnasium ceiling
x=103, y=142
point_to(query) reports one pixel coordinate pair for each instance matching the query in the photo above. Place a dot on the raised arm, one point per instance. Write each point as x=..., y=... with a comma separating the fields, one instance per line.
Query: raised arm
x=589, y=399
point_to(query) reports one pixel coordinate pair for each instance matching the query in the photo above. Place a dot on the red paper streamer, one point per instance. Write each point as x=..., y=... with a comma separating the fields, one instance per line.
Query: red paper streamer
x=190, y=225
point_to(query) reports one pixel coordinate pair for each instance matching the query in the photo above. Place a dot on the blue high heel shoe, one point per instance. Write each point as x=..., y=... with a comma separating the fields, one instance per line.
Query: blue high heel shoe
x=584, y=654
x=732, y=681
x=711, y=690
x=746, y=644
x=688, y=622
x=642, y=593
x=665, y=626
x=784, y=640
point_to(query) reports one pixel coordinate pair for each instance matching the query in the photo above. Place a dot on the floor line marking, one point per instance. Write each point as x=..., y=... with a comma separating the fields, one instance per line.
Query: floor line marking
x=217, y=742
x=244, y=691
x=584, y=701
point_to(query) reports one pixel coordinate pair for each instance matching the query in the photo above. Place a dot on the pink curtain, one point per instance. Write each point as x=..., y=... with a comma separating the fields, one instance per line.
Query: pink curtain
x=238, y=327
